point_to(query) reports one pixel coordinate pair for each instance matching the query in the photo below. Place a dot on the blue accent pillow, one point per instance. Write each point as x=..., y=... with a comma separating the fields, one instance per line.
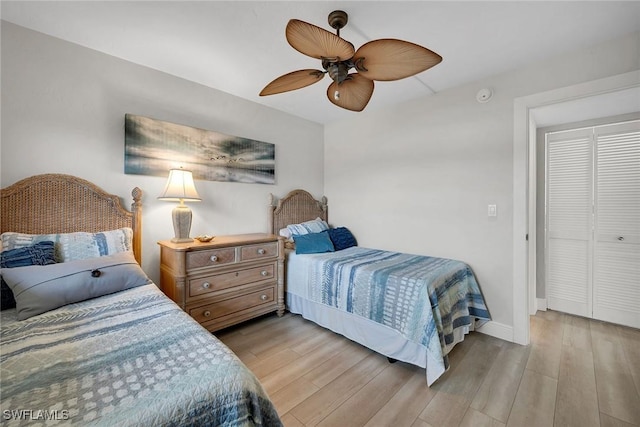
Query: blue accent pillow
x=313, y=243
x=42, y=253
x=342, y=238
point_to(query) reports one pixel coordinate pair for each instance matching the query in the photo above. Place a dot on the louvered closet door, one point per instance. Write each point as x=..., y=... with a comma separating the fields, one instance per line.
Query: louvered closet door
x=569, y=221
x=616, y=284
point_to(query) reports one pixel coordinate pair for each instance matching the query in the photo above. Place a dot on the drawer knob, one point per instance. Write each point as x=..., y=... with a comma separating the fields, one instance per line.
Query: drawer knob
x=206, y=313
x=264, y=272
x=263, y=297
x=206, y=285
x=261, y=251
x=621, y=238
x=213, y=258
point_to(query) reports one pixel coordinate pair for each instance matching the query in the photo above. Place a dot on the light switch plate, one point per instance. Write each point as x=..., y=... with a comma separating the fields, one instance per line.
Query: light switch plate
x=492, y=210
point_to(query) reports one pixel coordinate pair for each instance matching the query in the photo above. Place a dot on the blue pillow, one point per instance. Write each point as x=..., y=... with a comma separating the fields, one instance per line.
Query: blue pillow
x=342, y=238
x=313, y=243
x=42, y=253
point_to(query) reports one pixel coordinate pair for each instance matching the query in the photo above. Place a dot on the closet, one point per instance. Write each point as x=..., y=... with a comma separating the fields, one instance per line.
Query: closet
x=592, y=222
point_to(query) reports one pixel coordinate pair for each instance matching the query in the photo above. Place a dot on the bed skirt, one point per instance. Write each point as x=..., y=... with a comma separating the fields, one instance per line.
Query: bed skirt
x=379, y=338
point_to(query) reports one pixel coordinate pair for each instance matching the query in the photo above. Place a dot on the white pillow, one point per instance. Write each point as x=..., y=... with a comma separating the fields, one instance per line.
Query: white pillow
x=314, y=226
x=75, y=246
x=286, y=233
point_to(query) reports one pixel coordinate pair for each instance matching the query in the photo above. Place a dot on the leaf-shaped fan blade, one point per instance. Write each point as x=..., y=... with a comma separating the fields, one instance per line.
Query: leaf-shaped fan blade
x=292, y=81
x=392, y=59
x=352, y=94
x=317, y=42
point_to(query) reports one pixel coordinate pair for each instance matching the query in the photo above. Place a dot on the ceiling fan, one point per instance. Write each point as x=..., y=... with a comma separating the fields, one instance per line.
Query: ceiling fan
x=382, y=60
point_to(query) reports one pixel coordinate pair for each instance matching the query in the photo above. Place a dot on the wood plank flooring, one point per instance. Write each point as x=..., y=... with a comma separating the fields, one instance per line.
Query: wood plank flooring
x=576, y=372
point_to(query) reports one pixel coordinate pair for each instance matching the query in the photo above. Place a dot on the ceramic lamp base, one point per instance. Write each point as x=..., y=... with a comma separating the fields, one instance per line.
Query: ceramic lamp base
x=181, y=215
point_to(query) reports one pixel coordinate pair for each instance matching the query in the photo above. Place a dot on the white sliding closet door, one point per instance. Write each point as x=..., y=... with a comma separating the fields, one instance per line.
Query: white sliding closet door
x=616, y=284
x=569, y=221
x=593, y=222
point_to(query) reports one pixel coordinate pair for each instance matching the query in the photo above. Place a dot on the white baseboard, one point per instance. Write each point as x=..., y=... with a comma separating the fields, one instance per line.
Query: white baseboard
x=497, y=330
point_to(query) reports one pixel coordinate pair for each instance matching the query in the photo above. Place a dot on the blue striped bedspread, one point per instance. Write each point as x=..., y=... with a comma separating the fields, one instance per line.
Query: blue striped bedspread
x=133, y=358
x=427, y=300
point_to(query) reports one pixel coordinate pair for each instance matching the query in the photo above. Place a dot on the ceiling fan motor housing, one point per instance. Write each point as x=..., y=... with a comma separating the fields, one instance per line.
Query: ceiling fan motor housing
x=337, y=70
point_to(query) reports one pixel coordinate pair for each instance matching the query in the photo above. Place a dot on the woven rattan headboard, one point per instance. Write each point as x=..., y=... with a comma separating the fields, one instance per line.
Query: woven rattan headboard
x=296, y=207
x=58, y=203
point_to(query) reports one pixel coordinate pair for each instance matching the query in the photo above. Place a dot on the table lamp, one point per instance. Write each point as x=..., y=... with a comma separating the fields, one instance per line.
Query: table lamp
x=180, y=187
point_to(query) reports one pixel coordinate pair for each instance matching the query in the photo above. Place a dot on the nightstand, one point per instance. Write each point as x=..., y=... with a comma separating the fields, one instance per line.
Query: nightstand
x=227, y=280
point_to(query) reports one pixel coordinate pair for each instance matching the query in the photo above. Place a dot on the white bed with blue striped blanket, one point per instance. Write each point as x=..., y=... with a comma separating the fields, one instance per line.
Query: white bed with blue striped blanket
x=132, y=358
x=407, y=307
x=97, y=343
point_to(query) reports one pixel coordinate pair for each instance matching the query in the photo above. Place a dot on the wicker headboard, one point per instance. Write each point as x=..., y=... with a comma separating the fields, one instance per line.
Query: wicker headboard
x=296, y=207
x=58, y=203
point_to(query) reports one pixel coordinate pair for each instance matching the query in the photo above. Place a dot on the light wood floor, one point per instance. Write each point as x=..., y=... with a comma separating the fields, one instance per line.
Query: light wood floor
x=576, y=372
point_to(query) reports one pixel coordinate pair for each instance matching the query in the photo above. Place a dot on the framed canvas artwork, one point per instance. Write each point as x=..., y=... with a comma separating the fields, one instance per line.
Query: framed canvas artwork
x=152, y=147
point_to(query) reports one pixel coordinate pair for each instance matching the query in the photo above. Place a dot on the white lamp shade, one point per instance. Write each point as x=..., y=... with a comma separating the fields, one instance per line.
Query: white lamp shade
x=180, y=187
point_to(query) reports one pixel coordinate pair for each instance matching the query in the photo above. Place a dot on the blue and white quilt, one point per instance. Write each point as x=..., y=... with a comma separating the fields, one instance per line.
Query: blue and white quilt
x=133, y=358
x=427, y=300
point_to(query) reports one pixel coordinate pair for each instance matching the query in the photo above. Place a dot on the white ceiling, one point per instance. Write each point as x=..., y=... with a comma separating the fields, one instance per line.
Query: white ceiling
x=239, y=46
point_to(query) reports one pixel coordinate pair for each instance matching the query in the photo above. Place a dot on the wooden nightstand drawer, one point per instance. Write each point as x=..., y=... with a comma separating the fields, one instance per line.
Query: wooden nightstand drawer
x=266, y=250
x=233, y=305
x=217, y=282
x=211, y=257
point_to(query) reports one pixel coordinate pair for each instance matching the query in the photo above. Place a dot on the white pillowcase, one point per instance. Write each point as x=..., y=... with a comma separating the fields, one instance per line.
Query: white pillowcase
x=314, y=226
x=75, y=246
x=286, y=233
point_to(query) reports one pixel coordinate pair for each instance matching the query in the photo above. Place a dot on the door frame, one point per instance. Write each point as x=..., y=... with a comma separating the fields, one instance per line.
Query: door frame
x=524, y=183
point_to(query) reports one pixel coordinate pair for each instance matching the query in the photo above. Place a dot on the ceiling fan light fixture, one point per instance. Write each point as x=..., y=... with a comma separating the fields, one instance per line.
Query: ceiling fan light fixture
x=383, y=60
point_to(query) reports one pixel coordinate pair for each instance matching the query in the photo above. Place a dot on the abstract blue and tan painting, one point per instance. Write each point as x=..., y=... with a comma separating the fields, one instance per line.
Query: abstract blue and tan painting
x=152, y=147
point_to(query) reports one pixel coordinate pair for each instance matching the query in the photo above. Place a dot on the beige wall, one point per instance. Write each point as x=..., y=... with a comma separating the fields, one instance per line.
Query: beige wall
x=63, y=110
x=419, y=177
x=415, y=178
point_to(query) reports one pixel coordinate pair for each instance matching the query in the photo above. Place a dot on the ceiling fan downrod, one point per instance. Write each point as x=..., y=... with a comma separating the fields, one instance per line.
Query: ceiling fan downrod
x=338, y=70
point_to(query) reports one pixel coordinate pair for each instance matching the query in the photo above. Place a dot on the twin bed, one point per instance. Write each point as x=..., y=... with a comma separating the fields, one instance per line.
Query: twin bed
x=407, y=307
x=102, y=345
x=130, y=357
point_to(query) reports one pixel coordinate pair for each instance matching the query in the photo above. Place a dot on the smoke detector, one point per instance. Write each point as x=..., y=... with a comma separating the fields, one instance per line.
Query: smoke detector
x=484, y=95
